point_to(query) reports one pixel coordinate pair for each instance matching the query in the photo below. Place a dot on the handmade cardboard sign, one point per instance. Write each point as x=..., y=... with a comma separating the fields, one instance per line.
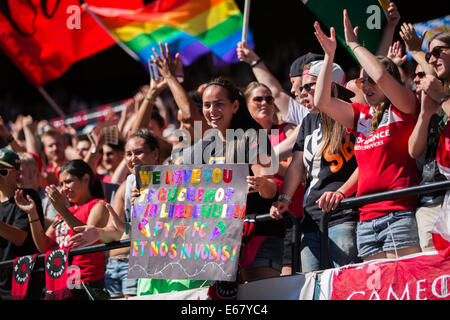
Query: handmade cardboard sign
x=187, y=222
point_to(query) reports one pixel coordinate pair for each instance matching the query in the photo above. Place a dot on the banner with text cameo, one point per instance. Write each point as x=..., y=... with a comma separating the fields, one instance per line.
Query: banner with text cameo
x=187, y=222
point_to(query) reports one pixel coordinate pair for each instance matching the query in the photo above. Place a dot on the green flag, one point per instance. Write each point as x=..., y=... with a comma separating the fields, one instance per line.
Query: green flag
x=368, y=15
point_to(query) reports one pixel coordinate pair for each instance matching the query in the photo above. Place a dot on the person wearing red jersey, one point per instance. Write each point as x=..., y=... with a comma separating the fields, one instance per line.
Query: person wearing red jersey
x=79, y=186
x=387, y=229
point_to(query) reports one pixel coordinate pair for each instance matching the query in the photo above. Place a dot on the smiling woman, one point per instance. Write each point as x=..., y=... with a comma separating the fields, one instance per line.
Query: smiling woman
x=79, y=186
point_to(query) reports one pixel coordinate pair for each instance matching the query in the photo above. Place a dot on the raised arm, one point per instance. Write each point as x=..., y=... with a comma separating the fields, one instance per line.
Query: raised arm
x=403, y=98
x=418, y=139
x=144, y=113
x=393, y=17
x=337, y=109
x=414, y=45
x=167, y=66
x=263, y=75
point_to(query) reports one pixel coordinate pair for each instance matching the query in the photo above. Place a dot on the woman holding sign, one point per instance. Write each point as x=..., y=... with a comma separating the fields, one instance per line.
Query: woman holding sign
x=224, y=108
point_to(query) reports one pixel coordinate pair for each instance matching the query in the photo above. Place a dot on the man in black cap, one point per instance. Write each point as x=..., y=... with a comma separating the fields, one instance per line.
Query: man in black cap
x=291, y=109
x=15, y=233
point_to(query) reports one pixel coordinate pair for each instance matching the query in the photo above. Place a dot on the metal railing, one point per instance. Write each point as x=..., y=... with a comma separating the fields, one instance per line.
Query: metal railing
x=324, y=263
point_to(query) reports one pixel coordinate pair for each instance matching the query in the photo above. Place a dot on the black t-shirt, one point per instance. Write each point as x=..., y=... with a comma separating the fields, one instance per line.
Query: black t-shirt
x=326, y=172
x=245, y=151
x=11, y=214
x=426, y=164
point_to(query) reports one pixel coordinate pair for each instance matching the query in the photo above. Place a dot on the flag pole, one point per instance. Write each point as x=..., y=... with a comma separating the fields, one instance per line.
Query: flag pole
x=119, y=43
x=51, y=102
x=245, y=22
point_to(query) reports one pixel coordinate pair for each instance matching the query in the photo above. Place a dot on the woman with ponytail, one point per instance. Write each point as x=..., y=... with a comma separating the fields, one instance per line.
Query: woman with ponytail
x=85, y=194
x=387, y=229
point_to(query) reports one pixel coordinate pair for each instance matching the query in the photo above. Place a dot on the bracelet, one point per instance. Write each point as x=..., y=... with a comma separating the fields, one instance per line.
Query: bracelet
x=353, y=50
x=37, y=219
x=341, y=193
x=255, y=62
x=284, y=197
x=151, y=98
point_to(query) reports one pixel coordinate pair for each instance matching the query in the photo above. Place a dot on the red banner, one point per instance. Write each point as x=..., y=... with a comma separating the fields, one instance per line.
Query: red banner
x=421, y=277
x=44, y=38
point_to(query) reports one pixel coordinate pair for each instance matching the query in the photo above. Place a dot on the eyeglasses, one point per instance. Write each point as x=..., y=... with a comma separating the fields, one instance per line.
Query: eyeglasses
x=420, y=74
x=307, y=87
x=436, y=52
x=259, y=99
x=361, y=81
x=4, y=172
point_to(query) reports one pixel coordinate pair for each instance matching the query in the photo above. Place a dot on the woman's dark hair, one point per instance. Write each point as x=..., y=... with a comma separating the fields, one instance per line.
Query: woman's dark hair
x=392, y=68
x=79, y=168
x=149, y=138
x=242, y=119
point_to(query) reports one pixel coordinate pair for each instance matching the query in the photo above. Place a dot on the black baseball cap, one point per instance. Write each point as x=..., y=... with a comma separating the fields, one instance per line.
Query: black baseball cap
x=298, y=64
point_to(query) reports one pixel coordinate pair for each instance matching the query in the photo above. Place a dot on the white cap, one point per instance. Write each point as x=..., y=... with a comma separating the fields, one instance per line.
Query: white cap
x=338, y=74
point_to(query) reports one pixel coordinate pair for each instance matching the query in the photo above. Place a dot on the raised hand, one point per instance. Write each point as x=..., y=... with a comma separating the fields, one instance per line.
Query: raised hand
x=245, y=53
x=432, y=86
x=328, y=43
x=393, y=16
x=412, y=41
x=350, y=33
x=167, y=65
x=395, y=53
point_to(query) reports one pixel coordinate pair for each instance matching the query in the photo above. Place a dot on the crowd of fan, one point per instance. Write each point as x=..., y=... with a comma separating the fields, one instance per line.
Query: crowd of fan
x=335, y=139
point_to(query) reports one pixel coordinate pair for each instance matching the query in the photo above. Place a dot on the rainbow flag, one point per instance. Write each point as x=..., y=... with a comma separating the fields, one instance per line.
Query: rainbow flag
x=191, y=27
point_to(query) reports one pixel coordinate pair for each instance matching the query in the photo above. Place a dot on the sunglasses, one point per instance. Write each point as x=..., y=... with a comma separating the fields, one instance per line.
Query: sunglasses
x=361, y=81
x=436, y=52
x=420, y=75
x=4, y=172
x=259, y=99
x=307, y=87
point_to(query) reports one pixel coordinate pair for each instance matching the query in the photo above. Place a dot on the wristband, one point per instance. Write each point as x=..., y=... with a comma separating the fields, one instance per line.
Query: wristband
x=353, y=50
x=151, y=98
x=255, y=62
x=284, y=197
x=341, y=193
x=127, y=227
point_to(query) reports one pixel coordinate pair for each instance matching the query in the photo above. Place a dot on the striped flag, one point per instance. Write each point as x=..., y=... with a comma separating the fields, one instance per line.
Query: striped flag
x=191, y=27
x=441, y=228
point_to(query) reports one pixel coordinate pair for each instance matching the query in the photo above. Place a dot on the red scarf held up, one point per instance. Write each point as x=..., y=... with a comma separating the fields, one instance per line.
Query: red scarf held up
x=56, y=275
x=22, y=268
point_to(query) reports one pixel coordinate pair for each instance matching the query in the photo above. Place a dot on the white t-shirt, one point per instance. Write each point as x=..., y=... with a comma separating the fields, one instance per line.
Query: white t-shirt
x=296, y=113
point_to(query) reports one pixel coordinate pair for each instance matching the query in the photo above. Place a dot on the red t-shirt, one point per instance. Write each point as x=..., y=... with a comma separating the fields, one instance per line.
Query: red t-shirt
x=92, y=265
x=383, y=159
x=443, y=151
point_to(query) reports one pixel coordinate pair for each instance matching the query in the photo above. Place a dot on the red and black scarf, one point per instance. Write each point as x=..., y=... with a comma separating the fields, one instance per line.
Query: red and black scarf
x=56, y=275
x=22, y=268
